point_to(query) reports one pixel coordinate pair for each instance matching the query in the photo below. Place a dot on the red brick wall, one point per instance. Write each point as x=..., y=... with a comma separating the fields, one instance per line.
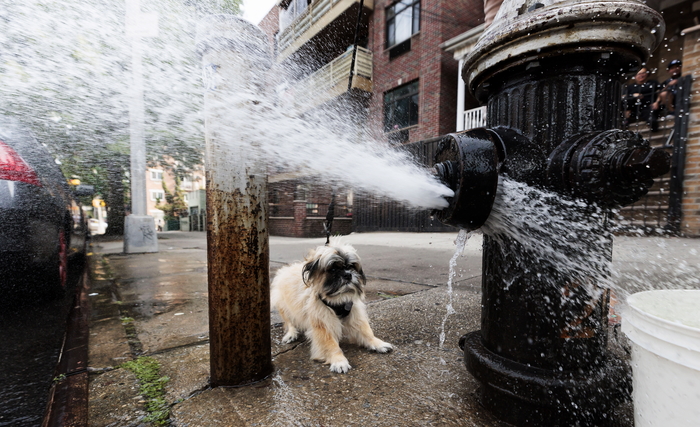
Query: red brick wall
x=435, y=69
x=281, y=227
x=289, y=217
x=690, y=224
x=270, y=24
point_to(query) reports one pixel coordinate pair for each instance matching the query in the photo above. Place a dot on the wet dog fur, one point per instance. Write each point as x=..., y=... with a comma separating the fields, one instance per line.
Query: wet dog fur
x=313, y=296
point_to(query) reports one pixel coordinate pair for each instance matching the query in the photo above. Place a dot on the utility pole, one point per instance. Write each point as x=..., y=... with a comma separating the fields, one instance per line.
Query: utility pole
x=139, y=228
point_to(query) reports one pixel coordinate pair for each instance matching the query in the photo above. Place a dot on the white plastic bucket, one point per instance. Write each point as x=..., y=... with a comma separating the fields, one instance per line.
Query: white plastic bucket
x=664, y=327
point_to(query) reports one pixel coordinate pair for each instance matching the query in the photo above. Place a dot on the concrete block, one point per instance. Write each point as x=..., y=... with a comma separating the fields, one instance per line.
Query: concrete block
x=140, y=234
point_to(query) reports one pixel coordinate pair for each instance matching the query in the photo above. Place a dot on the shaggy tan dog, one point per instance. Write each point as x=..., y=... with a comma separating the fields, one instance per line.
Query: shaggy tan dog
x=324, y=297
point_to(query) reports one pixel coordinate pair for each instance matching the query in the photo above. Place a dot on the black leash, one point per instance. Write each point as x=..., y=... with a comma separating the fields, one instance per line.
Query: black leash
x=328, y=223
x=342, y=310
x=354, y=45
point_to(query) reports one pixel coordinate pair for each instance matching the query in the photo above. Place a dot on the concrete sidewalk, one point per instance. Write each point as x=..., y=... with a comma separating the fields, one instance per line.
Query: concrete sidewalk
x=156, y=305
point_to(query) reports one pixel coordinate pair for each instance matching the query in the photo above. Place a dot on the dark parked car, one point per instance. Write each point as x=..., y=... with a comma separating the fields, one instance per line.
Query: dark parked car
x=43, y=231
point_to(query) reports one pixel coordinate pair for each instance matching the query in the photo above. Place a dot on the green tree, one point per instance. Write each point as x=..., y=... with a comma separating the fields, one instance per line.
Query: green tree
x=174, y=205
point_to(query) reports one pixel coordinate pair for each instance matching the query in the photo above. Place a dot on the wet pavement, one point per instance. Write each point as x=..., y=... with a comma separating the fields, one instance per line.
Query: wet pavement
x=156, y=305
x=32, y=332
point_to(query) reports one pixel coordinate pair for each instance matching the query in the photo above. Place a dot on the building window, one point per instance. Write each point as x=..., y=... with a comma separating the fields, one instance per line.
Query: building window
x=312, y=209
x=157, y=195
x=301, y=192
x=290, y=10
x=401, y=107
x=402, y=21
x=186, y=183
x=156, y=175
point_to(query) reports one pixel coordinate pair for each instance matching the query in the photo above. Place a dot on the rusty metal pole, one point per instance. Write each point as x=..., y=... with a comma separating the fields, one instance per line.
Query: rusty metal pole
x=235, y=56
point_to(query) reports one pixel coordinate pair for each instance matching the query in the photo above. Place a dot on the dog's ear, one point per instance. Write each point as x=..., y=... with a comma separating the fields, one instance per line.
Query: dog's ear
x=363, y=279
x=310, y=268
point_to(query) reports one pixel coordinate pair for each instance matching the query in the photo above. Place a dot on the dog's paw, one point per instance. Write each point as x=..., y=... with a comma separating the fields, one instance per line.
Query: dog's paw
x=382, y=347
x=341, y=366
x=290, y=336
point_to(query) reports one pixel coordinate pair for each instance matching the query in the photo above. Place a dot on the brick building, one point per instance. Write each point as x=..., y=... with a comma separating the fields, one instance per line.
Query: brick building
x=410, y=62
x=312, y=43
x=402, y=88
x=270, y=25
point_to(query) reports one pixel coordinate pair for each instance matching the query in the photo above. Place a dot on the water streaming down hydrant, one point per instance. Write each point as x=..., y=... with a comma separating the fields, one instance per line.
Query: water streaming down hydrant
x=550, y=73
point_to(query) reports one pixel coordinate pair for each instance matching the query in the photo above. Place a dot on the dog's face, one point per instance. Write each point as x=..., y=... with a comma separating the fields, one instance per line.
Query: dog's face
x=335, y=271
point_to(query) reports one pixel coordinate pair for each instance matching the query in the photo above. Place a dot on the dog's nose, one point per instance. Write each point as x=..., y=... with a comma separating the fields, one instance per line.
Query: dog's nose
x=347, y=275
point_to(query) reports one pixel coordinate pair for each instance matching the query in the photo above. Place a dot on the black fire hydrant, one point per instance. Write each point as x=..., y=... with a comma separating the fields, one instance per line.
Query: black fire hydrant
x=550, y=73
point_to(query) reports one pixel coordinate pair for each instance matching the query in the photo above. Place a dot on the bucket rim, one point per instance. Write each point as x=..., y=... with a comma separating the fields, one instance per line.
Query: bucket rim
x=671, y=340
x=678, y=324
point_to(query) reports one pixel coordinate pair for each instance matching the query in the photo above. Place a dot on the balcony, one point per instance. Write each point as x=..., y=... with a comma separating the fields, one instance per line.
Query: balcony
x=319, y=15
x=474, y=118
x=331, y=80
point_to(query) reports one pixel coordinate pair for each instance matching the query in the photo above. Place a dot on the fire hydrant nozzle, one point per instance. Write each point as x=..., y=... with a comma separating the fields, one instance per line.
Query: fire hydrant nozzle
x=468, y=163
x=611, y=168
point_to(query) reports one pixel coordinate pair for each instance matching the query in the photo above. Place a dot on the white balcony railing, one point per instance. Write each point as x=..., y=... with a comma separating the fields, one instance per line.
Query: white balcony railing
x=475, y=118
x=331, y=80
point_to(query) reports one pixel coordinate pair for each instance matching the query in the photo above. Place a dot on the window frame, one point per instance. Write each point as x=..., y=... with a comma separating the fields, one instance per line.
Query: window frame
x=413, y=90
x=153, y=195
x=156, y=171
x=290, y=10
x=390, y=12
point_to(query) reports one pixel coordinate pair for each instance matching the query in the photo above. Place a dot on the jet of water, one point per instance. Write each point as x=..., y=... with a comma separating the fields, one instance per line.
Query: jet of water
x=331, y=152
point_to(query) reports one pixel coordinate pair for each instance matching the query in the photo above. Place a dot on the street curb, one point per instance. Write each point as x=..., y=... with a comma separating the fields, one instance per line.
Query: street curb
x=68, y=397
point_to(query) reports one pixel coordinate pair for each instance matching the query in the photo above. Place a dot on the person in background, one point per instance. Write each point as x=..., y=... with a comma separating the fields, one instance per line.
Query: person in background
x=665, y=102
x=639, y=96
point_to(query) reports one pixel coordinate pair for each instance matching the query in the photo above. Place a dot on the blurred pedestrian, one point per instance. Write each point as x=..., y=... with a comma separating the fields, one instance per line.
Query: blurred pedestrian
x=638, y=97
x=665, y=103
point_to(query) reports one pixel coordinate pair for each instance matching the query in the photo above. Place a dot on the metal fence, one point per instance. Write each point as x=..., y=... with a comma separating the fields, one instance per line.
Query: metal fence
x=198, y=222
x=372, y=213
x=321, y=210
x=659, y=211
x=332, y=79
x=304, y=22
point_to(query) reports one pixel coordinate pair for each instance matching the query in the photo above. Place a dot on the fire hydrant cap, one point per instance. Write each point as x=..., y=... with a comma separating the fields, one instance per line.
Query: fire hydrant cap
x=526, y=30
x=468, y=163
